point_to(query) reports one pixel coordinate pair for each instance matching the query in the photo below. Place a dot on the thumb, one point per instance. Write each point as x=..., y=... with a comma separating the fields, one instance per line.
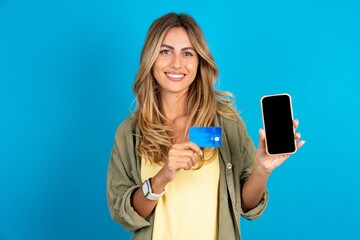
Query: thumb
x=261, y=138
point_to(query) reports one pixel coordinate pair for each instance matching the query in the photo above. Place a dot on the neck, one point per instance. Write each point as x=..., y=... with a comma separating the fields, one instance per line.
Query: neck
x=174, y=106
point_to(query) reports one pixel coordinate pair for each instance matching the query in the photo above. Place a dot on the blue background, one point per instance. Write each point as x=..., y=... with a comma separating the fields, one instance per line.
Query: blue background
x=66, y=71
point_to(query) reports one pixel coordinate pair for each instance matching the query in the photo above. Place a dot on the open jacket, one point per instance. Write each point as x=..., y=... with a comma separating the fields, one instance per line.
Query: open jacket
x=236, y=157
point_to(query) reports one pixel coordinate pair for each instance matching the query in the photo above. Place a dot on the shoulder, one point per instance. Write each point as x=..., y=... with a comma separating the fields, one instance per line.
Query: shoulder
x=234, y=120
x=127, y=127
x=233, y=127
x=227, y=113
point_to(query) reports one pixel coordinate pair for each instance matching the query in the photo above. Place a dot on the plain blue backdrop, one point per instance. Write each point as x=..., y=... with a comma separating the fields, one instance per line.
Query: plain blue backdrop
x=66, y=71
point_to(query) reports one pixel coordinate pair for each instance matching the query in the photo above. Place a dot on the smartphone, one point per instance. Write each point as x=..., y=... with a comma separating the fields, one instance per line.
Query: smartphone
x=277, y=115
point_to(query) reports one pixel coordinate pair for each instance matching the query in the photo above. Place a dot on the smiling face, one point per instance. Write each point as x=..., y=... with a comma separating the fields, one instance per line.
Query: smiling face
x=176, y=65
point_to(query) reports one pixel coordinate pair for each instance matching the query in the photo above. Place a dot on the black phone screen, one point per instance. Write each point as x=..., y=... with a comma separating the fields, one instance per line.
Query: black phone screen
x=278, y=124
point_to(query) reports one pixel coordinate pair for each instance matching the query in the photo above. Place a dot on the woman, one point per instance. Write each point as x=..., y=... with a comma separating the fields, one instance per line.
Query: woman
x=155, y=184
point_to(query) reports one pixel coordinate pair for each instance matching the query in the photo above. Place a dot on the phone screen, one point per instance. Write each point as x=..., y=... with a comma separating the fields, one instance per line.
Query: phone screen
x=278, y=124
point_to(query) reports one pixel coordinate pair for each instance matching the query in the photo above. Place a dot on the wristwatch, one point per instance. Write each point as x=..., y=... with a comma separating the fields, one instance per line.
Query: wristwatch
x=147, y=191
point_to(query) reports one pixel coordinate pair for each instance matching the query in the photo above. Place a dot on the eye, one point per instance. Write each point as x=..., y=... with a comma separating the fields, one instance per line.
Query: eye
x=165, y=52
x=188, y=54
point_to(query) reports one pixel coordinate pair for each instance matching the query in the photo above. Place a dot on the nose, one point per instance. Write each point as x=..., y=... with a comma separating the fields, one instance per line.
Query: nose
x=176, y=61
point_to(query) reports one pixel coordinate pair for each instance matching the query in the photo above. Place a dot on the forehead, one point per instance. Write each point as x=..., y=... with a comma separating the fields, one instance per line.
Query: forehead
x=177, y=37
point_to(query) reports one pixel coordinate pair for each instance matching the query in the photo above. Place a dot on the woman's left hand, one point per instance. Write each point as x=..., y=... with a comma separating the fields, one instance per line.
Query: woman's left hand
x=265, y=163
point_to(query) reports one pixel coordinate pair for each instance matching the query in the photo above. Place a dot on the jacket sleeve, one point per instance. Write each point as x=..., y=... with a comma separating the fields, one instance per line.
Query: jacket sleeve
x=123, y=179
x=248, y=153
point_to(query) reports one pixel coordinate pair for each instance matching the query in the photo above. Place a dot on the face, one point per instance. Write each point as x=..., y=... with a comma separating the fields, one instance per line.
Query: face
x=176, y=65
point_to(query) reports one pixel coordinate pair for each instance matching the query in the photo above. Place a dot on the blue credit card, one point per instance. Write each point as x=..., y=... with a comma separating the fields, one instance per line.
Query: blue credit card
x=205, y=136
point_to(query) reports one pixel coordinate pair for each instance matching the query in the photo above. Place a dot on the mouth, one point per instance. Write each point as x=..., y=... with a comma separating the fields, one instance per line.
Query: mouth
x=175, y=76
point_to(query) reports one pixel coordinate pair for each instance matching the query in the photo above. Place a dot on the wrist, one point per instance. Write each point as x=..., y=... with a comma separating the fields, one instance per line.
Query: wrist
x=148, y=191
x=158, y=184
x=260, y=170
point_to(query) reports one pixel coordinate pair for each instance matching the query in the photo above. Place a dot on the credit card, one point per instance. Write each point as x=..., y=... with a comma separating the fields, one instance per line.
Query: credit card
x=206, y=136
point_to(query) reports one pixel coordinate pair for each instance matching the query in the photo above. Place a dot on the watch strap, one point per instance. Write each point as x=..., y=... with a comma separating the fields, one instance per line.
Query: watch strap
x=149, y=194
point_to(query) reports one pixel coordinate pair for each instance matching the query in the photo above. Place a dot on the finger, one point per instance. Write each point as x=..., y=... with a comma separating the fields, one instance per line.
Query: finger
x=296, y=123
x=197, y=149
x=300, y=144
x=184, y=163
x=194, y=147
x=297, y=136
x=181, y=153
x=180, y=162
x=189, y=145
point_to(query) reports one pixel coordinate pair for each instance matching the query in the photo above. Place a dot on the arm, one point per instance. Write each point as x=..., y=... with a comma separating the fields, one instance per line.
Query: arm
x=264, y=164
x=123, y=179
x=141, y=204
x=253, y=189
x=181, y=156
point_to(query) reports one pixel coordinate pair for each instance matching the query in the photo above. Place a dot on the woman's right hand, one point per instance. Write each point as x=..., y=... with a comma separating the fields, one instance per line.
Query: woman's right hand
x=180, y=156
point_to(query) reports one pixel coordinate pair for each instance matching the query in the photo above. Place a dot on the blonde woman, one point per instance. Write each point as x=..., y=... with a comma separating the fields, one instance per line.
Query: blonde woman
x=159, y=184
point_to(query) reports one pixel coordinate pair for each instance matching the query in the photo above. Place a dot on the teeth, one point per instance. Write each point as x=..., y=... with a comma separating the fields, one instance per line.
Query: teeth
x=175, y=75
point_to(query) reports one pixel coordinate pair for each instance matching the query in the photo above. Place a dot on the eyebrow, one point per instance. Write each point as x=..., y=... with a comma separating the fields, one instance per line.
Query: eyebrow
x=172, y=48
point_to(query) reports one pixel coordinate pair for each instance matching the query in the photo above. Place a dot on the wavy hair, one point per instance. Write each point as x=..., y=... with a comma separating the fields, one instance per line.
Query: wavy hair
x=203, y=101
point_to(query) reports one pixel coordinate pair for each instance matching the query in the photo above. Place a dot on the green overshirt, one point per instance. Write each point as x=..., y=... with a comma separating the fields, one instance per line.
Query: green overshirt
x=236, y=162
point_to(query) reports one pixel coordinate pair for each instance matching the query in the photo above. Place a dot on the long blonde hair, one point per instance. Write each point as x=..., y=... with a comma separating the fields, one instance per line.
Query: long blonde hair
x=203, y=102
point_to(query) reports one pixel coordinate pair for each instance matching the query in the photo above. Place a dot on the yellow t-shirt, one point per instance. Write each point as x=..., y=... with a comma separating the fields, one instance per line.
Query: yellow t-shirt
x=189, y=208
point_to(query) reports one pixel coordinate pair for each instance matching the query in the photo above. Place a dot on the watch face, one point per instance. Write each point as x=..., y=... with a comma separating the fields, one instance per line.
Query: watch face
x=145, y=188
